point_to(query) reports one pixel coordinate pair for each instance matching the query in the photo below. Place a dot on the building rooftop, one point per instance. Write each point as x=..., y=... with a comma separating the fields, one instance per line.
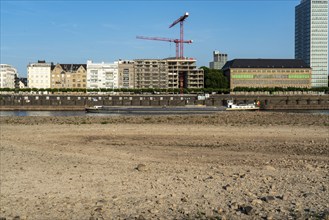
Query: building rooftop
x=70, y=67
x=265, y=63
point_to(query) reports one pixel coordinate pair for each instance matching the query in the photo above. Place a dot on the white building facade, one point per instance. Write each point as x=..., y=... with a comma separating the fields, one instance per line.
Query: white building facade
x=102, y=75
x=311, y=38
x=8, y=74
x=38, y=75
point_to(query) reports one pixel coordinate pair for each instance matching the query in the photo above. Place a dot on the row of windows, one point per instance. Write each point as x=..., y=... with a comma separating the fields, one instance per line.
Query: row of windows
x=319, y=18
x=271, y=82
x=269, y=71
x=270, y=76
x=322, y=25
x=319, y=4
x=318, y=64
x=320, y=36
x=69, y=86
x=319, y=56
x=37, y=76
x=321, y=10
x=73, y=80
x=319, y=43
x=321, y=83
x=38, y=81
x=316, y=38
x=319, y=46
x=320, y=77
x=319, y=22
x=320, y=30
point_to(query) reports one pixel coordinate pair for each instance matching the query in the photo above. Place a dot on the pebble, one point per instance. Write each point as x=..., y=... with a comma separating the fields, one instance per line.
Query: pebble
x=245, y=209
x=140, y=217
x=268, y=198
x=256, y=201
x=227, y=187
x=141, y=167
x=269, y=168
x=183, y=199
x=234, y=205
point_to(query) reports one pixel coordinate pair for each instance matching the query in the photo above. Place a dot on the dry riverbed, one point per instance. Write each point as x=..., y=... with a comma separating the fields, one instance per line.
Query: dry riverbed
x=237, y=165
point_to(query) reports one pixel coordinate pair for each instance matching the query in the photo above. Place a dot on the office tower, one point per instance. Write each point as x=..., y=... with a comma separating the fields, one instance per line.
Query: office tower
x=219, y=60
x=311, y=38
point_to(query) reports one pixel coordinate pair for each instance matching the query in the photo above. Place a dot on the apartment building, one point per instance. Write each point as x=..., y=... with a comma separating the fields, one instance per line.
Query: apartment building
x=102, y=75
x=260, y=73
x=71, y=76
x=38, y=75
x=126, y=74
x=8, y=75
x=151, y=73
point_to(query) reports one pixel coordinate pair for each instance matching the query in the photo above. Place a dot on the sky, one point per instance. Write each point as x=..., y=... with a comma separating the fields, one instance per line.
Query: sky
x=74, y=31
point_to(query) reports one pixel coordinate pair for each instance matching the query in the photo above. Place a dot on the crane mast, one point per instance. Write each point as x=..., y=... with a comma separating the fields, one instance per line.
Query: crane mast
x=181, y=20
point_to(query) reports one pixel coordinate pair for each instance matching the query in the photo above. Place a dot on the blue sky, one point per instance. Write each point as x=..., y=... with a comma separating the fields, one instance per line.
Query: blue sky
x=75, y=31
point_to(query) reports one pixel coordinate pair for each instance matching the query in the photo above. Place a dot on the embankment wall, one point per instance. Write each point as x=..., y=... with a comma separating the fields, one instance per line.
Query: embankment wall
x=79, y=101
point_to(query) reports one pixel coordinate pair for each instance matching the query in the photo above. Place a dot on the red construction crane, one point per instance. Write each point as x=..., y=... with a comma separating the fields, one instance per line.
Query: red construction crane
x=176, y=41
x=181, y=21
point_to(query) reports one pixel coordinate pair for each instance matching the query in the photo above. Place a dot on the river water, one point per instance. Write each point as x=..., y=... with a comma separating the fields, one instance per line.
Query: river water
x=83, y=113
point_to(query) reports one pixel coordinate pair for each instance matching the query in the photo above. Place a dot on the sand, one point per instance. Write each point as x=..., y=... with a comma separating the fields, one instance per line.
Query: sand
x=241, y=165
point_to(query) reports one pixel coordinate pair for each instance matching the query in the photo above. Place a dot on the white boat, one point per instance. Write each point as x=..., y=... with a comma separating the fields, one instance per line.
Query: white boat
x=231, y=106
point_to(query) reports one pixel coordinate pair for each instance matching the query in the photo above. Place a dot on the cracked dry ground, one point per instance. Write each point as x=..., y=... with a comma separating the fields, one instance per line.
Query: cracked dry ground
x=164, y=171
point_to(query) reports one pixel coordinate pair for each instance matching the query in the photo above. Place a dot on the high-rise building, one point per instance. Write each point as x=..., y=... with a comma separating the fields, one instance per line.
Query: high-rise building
x=8, y=75
x=38, y=75
x=219, y=60
x=311, y=38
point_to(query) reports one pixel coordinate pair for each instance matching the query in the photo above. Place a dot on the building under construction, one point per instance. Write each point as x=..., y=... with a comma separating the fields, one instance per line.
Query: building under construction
x=170, y=73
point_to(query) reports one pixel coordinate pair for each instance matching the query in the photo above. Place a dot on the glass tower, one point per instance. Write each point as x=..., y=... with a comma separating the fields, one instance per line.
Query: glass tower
x=311, y=38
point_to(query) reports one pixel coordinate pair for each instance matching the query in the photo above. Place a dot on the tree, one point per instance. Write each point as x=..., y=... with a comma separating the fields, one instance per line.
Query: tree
x=214, y=78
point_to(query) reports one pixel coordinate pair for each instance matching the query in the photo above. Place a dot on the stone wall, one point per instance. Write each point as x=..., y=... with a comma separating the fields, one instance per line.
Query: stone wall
x=78, y=102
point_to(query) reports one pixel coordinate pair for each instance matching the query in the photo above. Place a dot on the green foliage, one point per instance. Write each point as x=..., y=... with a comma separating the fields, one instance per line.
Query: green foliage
x=271, y=90
x=214, y=78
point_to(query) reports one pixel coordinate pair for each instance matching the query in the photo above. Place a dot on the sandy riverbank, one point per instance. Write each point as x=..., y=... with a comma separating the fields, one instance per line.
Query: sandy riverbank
x=237, y=165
